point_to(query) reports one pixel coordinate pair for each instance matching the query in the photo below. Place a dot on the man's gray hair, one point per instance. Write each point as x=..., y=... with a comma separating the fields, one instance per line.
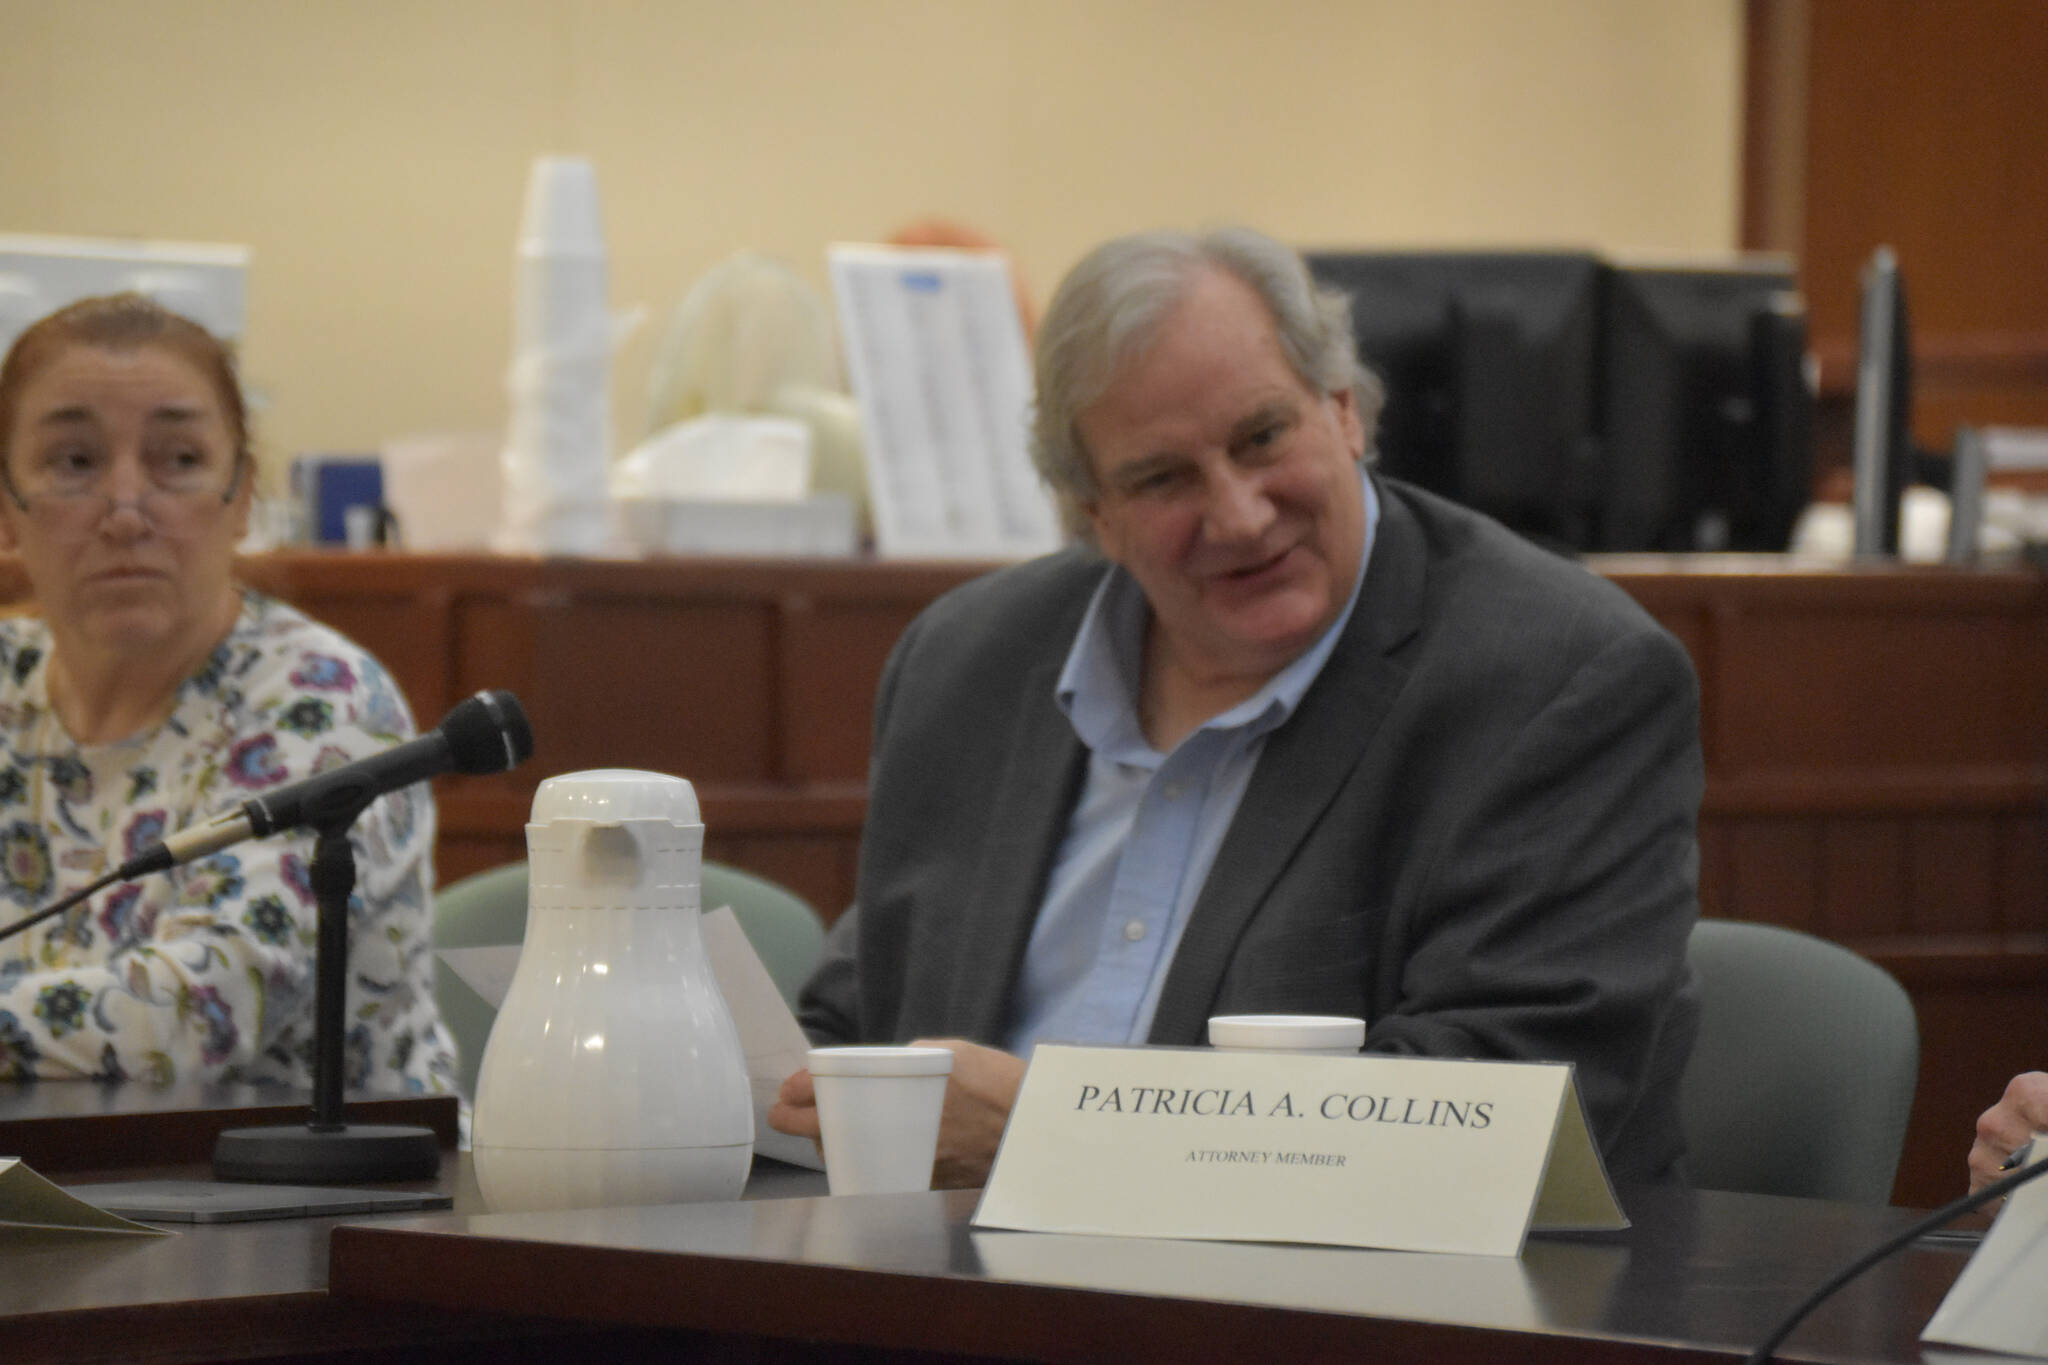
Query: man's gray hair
x=1110, y=308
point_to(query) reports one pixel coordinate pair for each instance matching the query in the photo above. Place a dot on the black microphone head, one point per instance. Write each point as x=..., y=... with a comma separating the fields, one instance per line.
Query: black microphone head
x=487, y=733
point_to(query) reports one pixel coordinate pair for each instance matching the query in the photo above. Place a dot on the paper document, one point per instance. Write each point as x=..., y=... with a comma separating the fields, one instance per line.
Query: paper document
x=487, y=971
x=937, y=357
x=769, y=1034
x=773, y=1042
x=27, y=1200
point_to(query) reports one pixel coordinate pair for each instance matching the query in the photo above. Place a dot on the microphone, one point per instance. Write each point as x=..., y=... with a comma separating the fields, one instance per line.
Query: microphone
x=486, y=733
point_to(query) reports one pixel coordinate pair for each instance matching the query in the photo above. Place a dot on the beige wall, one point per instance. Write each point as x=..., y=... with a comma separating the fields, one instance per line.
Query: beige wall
x=373, y=152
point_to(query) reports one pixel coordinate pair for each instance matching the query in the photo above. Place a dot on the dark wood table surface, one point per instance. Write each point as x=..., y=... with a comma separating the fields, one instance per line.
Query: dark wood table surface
x=789, y=1274
x=258, y=1291
x=63, y=1126
x=238, y=1291
x=1700, y=1277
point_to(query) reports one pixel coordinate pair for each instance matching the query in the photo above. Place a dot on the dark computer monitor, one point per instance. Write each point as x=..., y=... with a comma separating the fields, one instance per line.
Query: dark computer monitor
x=1708, y=416
x=1883, y=460
x=1490, y=361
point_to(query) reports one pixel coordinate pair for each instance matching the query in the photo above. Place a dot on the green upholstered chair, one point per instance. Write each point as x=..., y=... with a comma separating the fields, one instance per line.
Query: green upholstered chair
x=479, y=911
x=490, y=908
x=1803, y=1075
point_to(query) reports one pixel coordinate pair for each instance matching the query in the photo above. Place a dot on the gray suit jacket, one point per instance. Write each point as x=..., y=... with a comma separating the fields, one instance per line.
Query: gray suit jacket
x=1478, y=831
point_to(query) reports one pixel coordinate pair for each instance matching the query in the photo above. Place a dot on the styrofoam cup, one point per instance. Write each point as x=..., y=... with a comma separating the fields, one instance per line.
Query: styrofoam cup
x=878, y=1112
x=1324, y=1034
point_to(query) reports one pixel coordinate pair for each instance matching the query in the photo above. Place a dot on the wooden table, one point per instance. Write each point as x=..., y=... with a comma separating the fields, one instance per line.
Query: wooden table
x=258, y=1291
x=788, y=1274
x=240, y=1291
x=59, y=1127
x=1701, y=1276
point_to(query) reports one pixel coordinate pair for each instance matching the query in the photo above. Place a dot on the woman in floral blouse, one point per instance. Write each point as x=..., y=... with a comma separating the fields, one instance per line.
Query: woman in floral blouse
x=152, y=694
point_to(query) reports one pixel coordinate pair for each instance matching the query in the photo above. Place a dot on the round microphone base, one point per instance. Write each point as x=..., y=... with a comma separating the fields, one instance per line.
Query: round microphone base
x=350, y=1154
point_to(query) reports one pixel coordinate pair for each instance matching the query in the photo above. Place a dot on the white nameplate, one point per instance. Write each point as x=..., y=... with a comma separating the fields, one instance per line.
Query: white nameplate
x=1996, y=1303
x=1407, y=1153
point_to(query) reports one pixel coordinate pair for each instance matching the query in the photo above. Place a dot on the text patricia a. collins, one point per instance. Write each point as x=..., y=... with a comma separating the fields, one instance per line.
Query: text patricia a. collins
x=1165, y=1101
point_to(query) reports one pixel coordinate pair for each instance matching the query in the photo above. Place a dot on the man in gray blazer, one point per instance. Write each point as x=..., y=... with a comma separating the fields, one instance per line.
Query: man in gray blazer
x=1279, y=736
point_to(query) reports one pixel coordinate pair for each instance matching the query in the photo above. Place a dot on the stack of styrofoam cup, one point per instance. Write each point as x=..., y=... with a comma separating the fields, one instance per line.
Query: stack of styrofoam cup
x=558, y=441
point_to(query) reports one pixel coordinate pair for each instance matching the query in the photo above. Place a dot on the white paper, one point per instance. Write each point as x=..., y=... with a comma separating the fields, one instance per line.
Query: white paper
x=937, y=357
x=1403, y=1153
x=770, y=1036
x=27, y=1200
x=487, y=971
x=1997, y=1303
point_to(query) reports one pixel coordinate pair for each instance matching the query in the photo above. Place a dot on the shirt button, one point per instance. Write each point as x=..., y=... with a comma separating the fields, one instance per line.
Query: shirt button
x=1134, y=930
x=1172, y=791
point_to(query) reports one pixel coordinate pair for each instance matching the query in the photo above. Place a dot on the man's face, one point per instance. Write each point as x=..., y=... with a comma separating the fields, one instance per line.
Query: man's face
x=1228, y=488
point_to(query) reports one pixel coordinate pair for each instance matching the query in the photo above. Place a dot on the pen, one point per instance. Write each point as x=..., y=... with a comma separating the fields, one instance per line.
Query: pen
x=2019, y=1156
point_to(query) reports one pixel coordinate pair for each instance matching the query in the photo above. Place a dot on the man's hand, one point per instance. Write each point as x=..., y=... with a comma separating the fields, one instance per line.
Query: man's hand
x=795, y=1110
x=979, y=1094
x=2004, y=1126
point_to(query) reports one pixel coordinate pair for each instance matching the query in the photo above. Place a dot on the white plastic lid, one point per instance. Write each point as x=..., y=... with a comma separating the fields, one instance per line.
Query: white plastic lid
x=880, y=1061
x=611, y=795
x=1286, y=1032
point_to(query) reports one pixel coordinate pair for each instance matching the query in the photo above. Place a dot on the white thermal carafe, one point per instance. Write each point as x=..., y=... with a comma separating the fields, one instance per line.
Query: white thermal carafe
x=613, y=1074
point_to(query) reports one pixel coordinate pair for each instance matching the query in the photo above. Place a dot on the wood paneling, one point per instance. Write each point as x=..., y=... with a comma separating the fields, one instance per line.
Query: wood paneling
x=670, y=684
x=1919, y=126
x=1863, y=877
x=2023, y=871
x=1773, y=869
x=833, y=656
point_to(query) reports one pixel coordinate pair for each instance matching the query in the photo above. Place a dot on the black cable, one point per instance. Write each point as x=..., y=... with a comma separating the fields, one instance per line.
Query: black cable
x=120, y=874
x=1997, y=1189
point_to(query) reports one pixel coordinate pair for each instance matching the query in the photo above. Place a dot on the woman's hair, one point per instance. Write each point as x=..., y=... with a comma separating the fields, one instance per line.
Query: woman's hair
x=1110, y=308
x=122, y=322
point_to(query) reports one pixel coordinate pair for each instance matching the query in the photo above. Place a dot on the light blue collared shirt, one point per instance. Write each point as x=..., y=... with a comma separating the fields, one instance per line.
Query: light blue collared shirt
x=1146, y=827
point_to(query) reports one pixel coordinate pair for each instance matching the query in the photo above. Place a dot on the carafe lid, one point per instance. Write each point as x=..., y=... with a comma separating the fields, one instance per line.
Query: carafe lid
x=612, y=795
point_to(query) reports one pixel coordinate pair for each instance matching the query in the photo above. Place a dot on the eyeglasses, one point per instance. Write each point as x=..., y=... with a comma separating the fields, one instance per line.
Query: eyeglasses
x=70, y=500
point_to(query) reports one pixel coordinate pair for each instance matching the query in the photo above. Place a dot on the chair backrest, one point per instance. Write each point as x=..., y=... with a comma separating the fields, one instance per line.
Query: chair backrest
x=1803, y=1075
x=479, y=911
x=490, y=908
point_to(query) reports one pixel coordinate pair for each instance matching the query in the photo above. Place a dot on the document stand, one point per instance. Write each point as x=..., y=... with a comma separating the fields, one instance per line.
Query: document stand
x=326, y=1150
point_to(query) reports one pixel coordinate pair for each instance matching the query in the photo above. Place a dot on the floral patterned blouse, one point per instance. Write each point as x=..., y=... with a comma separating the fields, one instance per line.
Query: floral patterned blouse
x=206, y=971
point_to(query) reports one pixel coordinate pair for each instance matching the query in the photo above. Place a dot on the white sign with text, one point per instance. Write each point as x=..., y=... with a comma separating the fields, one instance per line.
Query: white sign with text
x=1996, y=1303
x=942, y=372
x=1406, y=1153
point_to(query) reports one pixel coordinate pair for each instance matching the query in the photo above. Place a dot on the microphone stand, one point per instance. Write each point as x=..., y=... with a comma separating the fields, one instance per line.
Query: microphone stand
x=326, y=1149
